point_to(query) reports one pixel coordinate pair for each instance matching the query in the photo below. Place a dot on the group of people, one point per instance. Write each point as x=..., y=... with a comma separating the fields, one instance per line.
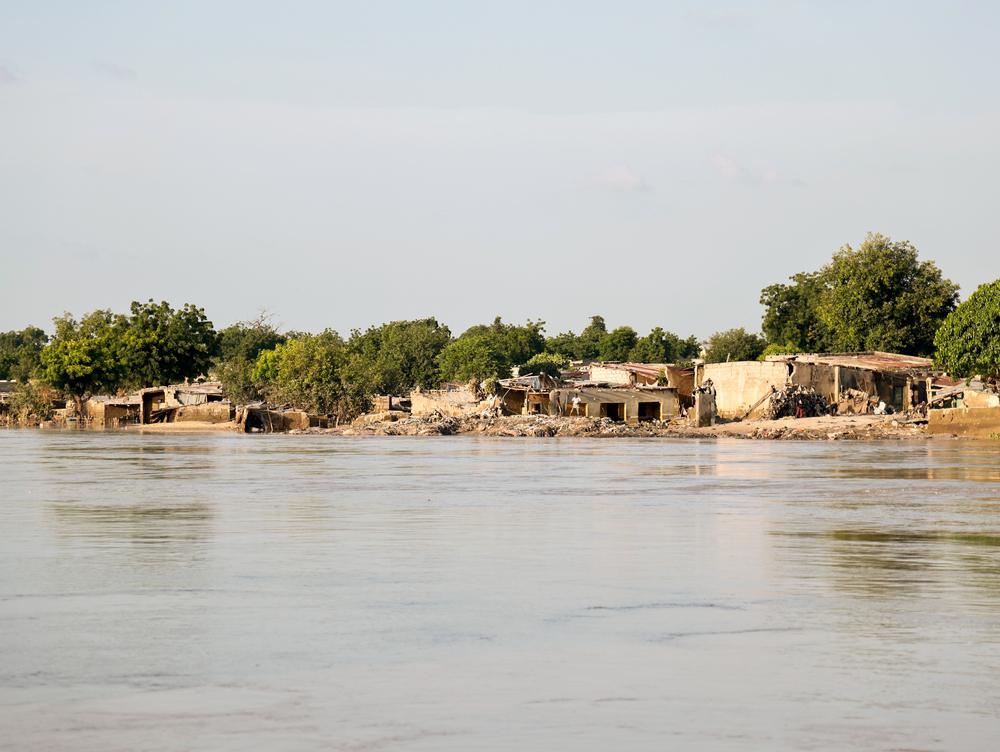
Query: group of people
x=557, y=406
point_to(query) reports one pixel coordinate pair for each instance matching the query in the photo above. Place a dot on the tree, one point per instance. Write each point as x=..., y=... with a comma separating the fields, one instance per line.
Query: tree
x=660, y=346
x=237, y=348
x=791, y=315
x=968, y=342
x=20, y=353
x=30, y=400
x=564, y=344
x=617, y=344
x=878, y=297
x=490, y=351
x=882, y=297
x=306, y=372
x=588, y=345
x=82, y=358
x=245, y=340
x=159, y=345
x=399, y=356
x=734, y=344
x=551, y=364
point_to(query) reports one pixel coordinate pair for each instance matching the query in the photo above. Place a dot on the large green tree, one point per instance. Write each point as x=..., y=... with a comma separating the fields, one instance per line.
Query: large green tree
x=160, y=345
x=488, y=351
x=968, y=342
x=791, y=314
x=661, y=346
x=617, y=344
x=238, y=346
x=20, y=353
x=82, y=358
x=880, y=296
x=588, y=345
x=397, y=357
x=244, y=340
x=734, y=344
x=308, y=373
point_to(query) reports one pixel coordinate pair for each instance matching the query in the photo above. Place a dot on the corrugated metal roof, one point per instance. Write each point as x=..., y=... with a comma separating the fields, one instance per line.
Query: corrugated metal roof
x=872, y=361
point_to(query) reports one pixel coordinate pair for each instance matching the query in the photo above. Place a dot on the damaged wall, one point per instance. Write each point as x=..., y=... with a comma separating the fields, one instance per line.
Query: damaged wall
x=449, y=402
x=740, y=384
x=967, y=422
x=628, y=404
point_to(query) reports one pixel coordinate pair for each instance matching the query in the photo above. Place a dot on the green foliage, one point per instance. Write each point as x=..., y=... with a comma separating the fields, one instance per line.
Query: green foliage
x=245, y=340
x=617, y=344
x=490, y=351
x=307, y=372
x=882, y=297
x=82, y=358
x=20, y=353
x=30, y=400
x=399, y=356
x=238, y=347
x=968, y=342
x=734, y=344
x=623, y=344
x=588, y=345
x=776, y=349
x=159, y=345
x=547, y=363
x=792, y=316
x=563, y=344
x=878, y=297
x=236, y=377
x=660, y=346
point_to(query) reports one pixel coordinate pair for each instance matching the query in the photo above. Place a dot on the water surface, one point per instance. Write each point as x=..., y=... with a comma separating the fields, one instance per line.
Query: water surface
x=232, y=592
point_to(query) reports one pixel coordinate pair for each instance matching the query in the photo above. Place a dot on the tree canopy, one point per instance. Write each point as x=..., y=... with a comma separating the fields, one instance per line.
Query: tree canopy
x=622, y=344
x=397, y=357
x=245, y=340
x=617, y=344
x=82, y=358
x=791, y=315
x=734, y=344
x=158, y=345
x=489, y=351
x=880, y=296
x=660, y=346
x=20, y=353
x=968, y=342
x=308, y=372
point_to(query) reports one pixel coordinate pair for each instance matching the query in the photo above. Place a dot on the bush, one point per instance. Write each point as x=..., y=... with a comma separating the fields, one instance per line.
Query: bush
x=968, y=342
x=30, y=402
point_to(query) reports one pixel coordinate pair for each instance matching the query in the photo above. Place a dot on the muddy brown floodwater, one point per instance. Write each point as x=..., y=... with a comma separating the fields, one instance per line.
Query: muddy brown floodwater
x=228, y=592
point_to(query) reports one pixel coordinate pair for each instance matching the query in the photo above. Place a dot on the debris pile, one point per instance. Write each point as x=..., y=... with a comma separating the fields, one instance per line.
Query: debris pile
x=796, y=402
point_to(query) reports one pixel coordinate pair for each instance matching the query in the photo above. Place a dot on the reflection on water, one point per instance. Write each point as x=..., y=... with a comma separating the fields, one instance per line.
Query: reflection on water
x=239, y=592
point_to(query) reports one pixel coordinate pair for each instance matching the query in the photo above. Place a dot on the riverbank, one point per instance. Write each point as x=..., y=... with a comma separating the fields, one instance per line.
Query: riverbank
x=825, y=428
x=855, y=427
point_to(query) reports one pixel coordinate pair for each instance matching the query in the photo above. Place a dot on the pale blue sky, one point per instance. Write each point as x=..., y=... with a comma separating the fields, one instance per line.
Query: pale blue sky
x=343, y=164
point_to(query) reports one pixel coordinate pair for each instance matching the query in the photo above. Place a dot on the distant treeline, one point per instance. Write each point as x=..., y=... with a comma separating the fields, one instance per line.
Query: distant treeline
x=880, y=296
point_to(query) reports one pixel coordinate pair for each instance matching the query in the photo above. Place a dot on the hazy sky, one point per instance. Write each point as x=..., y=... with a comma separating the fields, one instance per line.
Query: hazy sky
x=343, y=164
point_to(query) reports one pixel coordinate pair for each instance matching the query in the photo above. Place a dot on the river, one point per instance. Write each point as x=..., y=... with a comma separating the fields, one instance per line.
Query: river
x=230, y=592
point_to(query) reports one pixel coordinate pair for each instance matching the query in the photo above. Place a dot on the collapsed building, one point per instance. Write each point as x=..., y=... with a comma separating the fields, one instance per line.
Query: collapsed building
x=849, y=382
x=625, y=392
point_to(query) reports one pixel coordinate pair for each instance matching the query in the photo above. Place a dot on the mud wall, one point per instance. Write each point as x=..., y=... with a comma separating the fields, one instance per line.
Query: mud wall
x=738, y=385
x=967, y=422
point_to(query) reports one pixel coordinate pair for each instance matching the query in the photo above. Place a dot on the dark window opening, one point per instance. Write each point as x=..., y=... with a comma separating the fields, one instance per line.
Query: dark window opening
x=613, y=410
x=649, y=411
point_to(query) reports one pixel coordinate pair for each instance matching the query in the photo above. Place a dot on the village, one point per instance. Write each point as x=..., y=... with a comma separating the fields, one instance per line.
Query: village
x=861, y=395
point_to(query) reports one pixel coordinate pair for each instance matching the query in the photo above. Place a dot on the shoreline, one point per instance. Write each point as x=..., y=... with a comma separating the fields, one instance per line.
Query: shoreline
x=824, y=428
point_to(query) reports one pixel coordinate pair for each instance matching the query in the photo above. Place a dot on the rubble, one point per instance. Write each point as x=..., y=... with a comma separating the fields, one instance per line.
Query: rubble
x=795, y=401
x=824, y=428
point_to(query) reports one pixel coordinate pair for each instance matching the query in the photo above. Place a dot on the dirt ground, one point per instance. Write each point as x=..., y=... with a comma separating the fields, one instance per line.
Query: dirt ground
x=856, y=427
